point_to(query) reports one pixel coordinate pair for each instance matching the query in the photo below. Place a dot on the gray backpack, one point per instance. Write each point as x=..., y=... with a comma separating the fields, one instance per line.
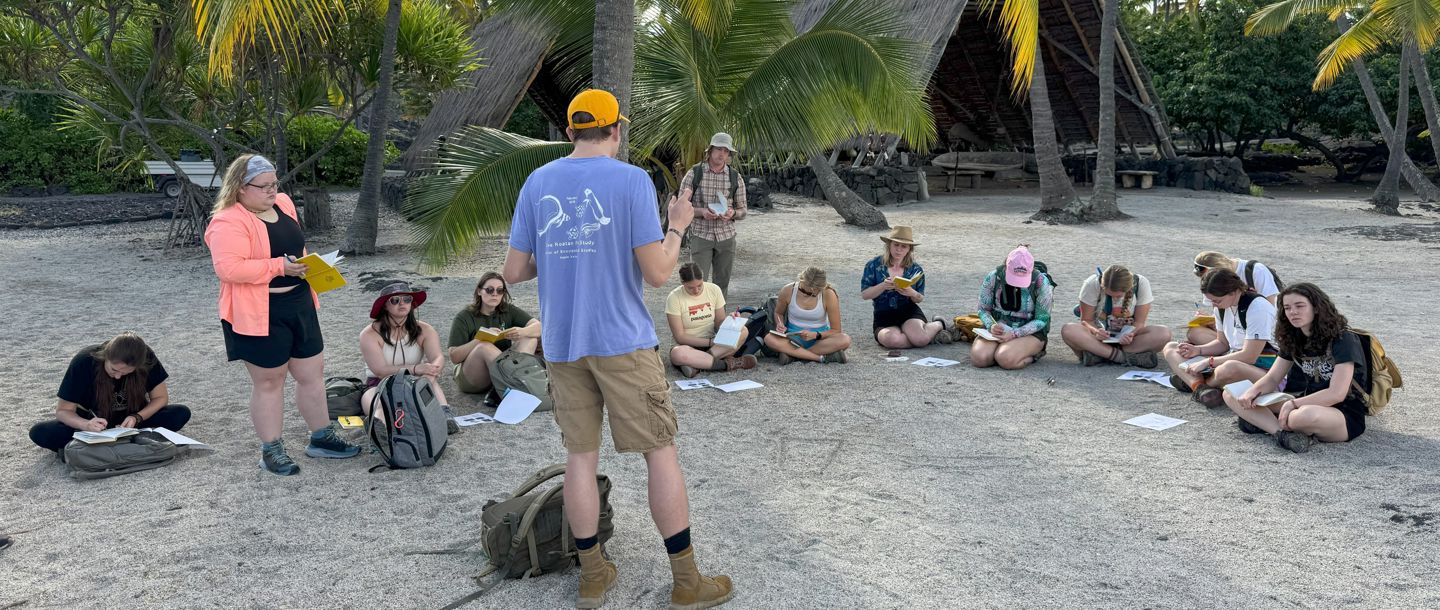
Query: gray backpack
x=407, y=424
x=134, y=453
x=524, y=372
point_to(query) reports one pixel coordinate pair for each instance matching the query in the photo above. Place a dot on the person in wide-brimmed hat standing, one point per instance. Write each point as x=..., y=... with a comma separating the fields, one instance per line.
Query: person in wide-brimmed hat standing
x=895, y=282
x=710, y=186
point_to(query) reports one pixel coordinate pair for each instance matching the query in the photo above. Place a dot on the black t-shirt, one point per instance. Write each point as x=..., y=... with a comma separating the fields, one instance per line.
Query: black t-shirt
x=1312, y=372
x=286, y=239
x=79, y=383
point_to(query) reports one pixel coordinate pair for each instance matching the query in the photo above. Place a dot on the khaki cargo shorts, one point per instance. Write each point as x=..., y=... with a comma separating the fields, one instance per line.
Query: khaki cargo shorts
x=631, y=388
x=463, y=384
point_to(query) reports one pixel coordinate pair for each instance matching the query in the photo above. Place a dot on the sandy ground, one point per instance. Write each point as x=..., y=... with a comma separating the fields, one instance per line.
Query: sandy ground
x=868, y=485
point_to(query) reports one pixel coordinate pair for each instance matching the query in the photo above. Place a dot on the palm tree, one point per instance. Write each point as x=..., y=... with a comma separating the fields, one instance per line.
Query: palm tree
x=1102, y=200
x=1387, y=198
x=739, y=68
x=613, y=56
x=1020, y=27
x=364, y=226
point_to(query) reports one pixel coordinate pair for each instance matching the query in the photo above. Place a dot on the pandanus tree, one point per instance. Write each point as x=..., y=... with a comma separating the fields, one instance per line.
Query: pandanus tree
x=702, y=67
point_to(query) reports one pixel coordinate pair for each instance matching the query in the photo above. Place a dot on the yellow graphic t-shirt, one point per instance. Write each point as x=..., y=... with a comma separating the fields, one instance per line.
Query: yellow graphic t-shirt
x=697, y=313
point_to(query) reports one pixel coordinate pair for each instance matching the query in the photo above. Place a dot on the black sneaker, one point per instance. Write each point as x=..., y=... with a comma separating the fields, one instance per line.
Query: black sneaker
x=1179, y=384
x=1208, y=396
x=1294, y=441
x=1247, y=427
x=328, y=445
x=450, y=426
x=274, y=459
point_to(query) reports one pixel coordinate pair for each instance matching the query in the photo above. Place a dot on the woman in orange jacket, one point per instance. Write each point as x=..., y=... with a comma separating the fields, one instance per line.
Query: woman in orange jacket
x=267, y=310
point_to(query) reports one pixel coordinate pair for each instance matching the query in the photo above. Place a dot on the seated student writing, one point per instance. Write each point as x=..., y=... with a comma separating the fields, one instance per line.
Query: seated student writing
x=895, y=282
x=119, y=383
x=492, y=310
x=808, y=309
x=1321, y=363
x=1242, y=350
x=1255, y=275
x=1015, y=308
x=397, y=341
x=1114, y=310
x=695, y=311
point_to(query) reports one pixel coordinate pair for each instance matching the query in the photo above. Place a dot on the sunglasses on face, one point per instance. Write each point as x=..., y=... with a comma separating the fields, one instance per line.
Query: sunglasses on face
x=492, y=290
x=401, y=300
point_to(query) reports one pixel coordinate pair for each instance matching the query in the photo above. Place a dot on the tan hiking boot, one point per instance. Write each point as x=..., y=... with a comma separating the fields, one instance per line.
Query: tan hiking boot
x=737, y=363
x=597, y=577
x=693, y=591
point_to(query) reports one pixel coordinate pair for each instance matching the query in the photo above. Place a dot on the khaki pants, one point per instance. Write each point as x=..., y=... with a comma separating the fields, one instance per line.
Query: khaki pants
x=717, y=254
x=631, y=388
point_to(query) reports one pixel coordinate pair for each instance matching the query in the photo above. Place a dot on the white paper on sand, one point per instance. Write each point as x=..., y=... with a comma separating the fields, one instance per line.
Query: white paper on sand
x=1152, y=376
x=516, y=407
x=738, y=385
x=1154, y=421
x=984, y=333
x=896, y=358
x=178, y=438
x=693, y=384
x=473, y=419
x=729, y=332
x=935, y=362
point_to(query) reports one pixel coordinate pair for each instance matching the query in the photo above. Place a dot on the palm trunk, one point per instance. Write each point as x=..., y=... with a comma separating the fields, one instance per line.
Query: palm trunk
x=1427, y=100
x=364, y=226
x=612, y=57
x=1412, y=174
x=852, y=208
x=1103, y=198
x=1056, y=191
x=1386, y=197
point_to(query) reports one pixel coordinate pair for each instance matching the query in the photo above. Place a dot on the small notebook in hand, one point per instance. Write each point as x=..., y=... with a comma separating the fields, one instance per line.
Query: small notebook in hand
x=728, y=334
x=1264, y=400
x=322, y=274
x=789, y=337
x=489, y=335
x=906, y=282
x=720, y=207
x=985, y=334
x=1186, y=364
x=1116, y=336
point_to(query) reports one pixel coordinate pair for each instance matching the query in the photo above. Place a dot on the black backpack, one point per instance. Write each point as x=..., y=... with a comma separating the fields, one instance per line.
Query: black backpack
x=1242, y=308
x=699, y=172
x=762, y=321
x=1248, y=272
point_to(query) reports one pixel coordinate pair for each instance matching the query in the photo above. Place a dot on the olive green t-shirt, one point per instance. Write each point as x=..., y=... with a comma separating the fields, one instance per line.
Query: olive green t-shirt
x=466, y=322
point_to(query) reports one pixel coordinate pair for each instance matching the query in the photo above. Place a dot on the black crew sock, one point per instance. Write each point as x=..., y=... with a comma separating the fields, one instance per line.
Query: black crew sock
x=678, y=543
x=585, y=544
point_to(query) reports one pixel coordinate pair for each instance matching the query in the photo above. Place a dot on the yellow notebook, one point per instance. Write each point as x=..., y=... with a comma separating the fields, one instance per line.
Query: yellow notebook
x=489, y=335
x=323, y=276
x=351, y=421
x=906, y=282
x=1201, y=321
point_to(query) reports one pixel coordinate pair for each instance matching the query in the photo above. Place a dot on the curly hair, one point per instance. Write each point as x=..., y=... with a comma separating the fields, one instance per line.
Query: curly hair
x=1328, y=325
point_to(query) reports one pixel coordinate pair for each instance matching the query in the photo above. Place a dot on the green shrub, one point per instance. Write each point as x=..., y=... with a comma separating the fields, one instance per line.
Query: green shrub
x=37, y=154
x=1280, y=148
x=343, y=164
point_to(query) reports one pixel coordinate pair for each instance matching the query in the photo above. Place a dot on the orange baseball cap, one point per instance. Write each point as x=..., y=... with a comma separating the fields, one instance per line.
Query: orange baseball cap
x=600, y=104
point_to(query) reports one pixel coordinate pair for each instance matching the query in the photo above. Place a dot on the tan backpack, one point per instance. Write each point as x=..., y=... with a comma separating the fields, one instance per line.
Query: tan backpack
x=1384, y=375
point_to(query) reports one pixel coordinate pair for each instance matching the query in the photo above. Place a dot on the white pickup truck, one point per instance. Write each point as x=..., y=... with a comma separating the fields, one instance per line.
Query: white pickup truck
x=200, y=172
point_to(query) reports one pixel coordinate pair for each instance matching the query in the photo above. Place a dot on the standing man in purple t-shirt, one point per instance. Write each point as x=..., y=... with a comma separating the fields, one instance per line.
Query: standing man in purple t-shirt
x=586, y=226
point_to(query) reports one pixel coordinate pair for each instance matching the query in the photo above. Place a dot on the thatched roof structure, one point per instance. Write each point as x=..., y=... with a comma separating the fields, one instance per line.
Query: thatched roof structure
x=969, y=84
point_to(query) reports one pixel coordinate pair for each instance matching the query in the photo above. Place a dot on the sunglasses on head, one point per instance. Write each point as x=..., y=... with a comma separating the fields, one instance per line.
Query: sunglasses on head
x=403, y=299
x=806, y=292
x=1200, y=269
x=493, y=290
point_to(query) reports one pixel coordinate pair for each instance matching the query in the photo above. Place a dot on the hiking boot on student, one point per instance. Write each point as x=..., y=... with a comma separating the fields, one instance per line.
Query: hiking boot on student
x=688, y=371
x=324, y=443
x=597, y=577
x=836, y=357
x=1089, y=359
x=738, y=363
x=785, y=359
x=693, y=591
x=1144, y=360
x=1208, y=396
x=1179, y=384
x=1247, y=427
x=1298, y=442
x=274, y=459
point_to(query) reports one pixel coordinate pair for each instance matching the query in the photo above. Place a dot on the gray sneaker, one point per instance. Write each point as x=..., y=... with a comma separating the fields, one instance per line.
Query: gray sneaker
x=1089, y=359
x=688, y=371
x=1294, y=441
x=1144, y=360
x=274, y=459
x=325, y=444
x=836, y=357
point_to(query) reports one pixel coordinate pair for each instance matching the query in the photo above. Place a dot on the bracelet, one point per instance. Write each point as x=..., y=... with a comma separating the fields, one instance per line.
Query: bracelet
x=677, y=233
x=1212, y=362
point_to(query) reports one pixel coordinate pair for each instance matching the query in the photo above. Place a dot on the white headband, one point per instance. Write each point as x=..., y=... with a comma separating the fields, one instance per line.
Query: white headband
x=255, y=166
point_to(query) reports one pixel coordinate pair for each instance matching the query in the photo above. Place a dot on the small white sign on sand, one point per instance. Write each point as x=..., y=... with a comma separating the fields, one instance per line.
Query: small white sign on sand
x=738, y=385
x=516, y=407
x=693, y=384
x=1155, y=377
x=473, y=419
x=935, y=362
x=178, y=438
x=1154, y=421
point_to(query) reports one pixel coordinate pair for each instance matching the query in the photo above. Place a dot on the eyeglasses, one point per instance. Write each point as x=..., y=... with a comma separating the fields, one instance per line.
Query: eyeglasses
x=401, y=300
x=268, y=188
x=492, y=291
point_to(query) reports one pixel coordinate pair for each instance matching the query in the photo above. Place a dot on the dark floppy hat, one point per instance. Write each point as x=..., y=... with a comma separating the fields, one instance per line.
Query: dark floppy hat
x=392, y=290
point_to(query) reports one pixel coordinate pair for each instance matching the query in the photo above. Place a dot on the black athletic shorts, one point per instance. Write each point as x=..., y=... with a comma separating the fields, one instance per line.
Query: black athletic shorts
x=896, y=317
x=294, y=332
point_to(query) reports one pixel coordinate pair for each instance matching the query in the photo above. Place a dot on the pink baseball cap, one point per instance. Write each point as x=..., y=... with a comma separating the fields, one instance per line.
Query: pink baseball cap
x=1018, y=266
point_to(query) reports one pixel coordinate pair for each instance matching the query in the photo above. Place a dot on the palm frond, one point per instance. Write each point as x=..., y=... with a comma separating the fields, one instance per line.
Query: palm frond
x=471, y=188
x=1368, y=34
x=1020, y=27
x=1417, y=21
x=230, y=26
x=1274, y=18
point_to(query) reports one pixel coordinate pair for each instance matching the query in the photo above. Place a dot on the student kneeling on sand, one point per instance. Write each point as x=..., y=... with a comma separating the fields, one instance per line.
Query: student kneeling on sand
x=1122, y=313
x=1321, y=363
x=1015, y=308
x=492, y=310
x=808, y=310
x=119, y=383
x=1242, y=350
x=593, y=257
x=695, y=310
